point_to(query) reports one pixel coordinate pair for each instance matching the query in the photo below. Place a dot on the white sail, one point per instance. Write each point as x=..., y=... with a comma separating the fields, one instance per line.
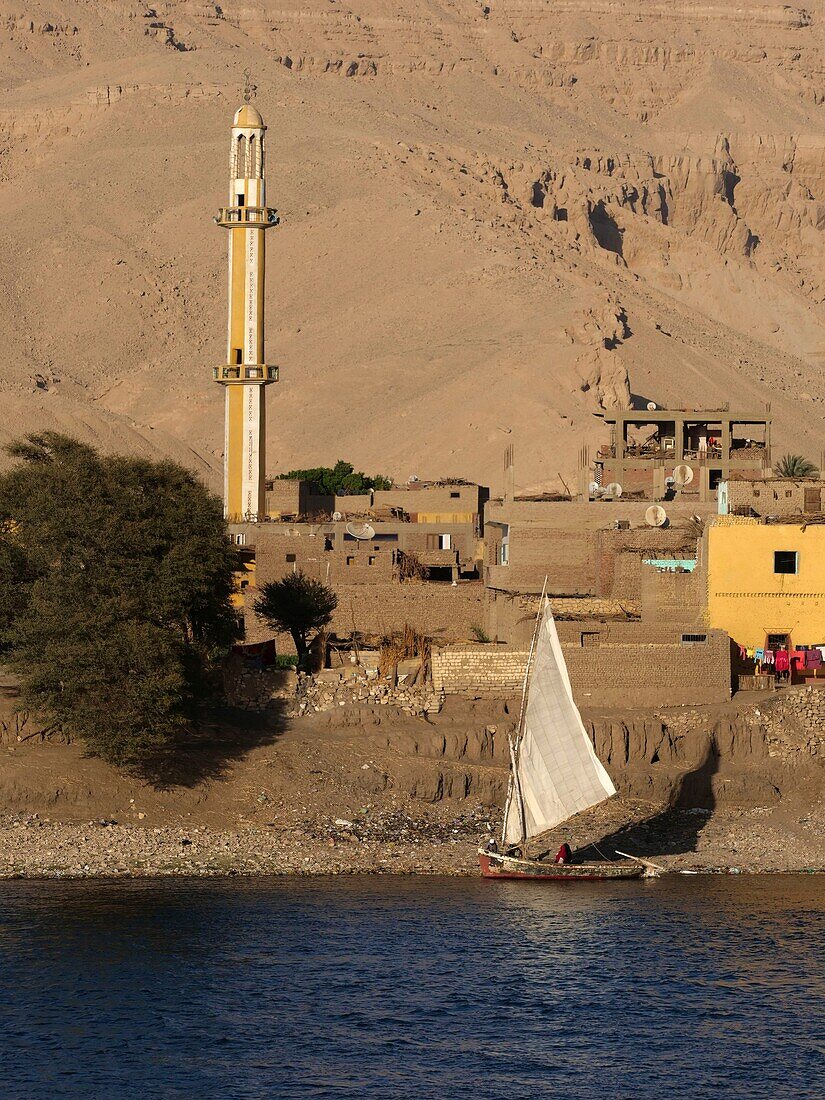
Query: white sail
x=558, y=772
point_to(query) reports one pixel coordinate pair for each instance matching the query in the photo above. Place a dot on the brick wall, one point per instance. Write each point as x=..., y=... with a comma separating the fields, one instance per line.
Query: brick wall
x=620, y=555
x=777, y=496
x=482, y=670
x=287, y=548
x=678, y=598
x=445, y=612
x=291, y=497
x=629, y=665
x=567, y=558
x=510, y=617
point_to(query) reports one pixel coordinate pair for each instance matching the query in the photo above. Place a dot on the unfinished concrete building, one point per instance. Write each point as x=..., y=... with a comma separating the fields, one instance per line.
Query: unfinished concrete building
x=664, y=454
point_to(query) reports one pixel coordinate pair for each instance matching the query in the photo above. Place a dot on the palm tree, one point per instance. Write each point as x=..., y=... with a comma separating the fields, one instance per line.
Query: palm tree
x=795, y=466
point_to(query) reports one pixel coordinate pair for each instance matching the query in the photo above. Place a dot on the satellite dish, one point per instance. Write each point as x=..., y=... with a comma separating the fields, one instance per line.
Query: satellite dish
x=651, y=406
x=683, y=475
x=365, y=531
x=614, y=489
x=336, y=517
x=593, y=488
x=697, y=519
x=655, y=516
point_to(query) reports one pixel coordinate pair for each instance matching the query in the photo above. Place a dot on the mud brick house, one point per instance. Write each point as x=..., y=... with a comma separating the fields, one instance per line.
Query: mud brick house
x=289, y=498
x=450, y=502
x=584, y=549
x=647, y=446
x=775, y=496
x=621, y=665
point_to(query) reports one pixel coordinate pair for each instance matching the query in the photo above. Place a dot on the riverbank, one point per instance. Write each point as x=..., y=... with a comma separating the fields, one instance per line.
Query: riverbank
x=372, y=789
x=395, y=843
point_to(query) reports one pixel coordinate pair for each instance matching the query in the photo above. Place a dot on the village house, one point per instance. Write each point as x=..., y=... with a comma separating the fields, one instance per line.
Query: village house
x=774, y=496
x=766, y=583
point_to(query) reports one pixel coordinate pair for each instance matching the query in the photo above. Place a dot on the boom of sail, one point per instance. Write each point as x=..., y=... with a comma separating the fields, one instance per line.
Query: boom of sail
x=556, y=772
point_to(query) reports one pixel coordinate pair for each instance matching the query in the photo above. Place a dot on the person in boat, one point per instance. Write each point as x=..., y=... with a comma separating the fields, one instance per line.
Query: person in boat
x=564, y=854
x=491, y=844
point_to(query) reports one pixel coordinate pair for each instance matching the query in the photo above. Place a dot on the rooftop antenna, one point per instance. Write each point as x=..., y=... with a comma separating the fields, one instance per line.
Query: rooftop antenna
x=509, y=472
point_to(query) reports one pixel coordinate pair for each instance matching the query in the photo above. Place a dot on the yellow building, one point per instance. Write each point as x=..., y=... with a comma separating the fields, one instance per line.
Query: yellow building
x=766, y=582
x=245, y=374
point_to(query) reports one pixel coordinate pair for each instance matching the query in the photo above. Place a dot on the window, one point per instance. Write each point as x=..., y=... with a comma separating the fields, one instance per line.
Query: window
x=455, y=496
x=694, y=639
x=291, y=557
x=714, y=477
x=788, y=493
x=756, y=492
x=589, y=637
x=445, y=542
x=371, y=559
x=238, y=355
x=350, y=560
x=785, y=561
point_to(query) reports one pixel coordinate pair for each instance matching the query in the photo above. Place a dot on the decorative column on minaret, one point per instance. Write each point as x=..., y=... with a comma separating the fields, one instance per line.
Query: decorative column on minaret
x=245, y=374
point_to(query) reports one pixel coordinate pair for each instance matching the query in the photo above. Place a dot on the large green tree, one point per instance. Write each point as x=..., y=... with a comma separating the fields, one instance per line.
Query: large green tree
x=342, y=479
x=296, y=605
x=117, y=574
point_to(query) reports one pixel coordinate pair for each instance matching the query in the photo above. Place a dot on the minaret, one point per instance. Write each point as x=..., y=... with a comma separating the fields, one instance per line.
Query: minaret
x=245, y=374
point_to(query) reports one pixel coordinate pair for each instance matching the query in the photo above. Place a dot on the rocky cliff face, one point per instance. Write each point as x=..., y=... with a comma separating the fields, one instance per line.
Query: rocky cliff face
x=498, y=218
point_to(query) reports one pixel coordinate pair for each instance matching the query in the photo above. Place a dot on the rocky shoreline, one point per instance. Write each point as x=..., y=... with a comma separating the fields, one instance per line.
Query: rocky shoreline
x=32, y=848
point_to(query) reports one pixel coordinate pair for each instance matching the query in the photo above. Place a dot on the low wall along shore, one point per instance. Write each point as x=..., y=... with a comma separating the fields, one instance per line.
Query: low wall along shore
x=610, y=665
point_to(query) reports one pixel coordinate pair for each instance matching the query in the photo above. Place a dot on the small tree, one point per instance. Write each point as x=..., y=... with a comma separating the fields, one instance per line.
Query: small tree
x=795, y=466
x=296, y=604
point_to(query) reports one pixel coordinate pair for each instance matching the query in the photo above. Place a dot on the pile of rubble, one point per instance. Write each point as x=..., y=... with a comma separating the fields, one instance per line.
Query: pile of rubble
x=299, y=693
x=332, y=688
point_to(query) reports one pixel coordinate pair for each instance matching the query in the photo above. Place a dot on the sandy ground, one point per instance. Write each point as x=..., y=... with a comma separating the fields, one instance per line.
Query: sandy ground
x=496, y=218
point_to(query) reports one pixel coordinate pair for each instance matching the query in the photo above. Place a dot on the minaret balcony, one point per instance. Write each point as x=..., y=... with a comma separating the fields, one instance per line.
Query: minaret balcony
x=260, y=374
x=247, y=217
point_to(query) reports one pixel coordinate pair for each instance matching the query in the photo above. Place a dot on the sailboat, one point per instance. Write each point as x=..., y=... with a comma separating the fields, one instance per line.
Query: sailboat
x=554, y=771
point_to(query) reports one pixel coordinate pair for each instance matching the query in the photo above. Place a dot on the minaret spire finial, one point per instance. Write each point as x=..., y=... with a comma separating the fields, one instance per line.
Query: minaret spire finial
x=249, y=89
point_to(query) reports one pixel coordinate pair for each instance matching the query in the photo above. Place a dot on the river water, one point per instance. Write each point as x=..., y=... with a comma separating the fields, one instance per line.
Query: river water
x=413, y=988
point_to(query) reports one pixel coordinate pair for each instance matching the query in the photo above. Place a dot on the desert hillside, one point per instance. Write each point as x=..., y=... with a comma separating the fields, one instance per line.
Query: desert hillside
x=497, y=219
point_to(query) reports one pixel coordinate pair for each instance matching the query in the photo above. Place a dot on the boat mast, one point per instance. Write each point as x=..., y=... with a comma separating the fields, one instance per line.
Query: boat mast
x=514, y=786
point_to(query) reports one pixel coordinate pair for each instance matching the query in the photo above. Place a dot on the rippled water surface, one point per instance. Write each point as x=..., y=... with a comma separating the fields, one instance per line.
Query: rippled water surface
x=402, y=987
